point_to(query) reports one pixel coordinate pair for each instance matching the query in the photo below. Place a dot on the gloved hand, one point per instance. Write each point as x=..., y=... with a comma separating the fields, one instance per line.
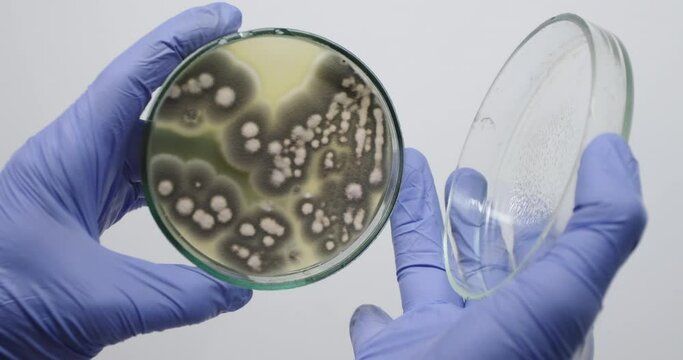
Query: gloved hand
x=62, y=295
x=543, y=313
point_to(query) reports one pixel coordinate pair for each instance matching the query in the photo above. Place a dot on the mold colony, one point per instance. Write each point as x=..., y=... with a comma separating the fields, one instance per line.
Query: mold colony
x=269, y=165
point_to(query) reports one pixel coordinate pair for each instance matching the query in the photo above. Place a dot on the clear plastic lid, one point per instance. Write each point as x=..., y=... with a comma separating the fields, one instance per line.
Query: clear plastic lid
x=513, y=190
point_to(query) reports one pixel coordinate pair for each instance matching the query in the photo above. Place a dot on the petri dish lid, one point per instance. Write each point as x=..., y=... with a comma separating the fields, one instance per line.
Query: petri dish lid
x=513, y=190
x=272, y=158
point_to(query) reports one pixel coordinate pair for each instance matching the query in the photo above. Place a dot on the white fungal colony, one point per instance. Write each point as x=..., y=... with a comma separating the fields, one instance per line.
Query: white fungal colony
x=203, y=219
x=192, y=86
x=376, y=174
x=358, y=219
x=254, y=262
x=348, y=216
x=247, y=229
x=307, y=208
x=313, y=121
x=224, y=216
x=252, y=145
x=328, y=163
x=360, y=130
x=174, y=91
x=321, y=221
x=205, y=81
x=219, y=204
x=241, y=251
x=354, y=191
x=184, y=206
x=274, y=148
x=196, y=86
x=249, y=129
x=165, y=187
x=225, y=96
x=268, y=241
x=277, y=177
x=355, y=220
x=272, y=227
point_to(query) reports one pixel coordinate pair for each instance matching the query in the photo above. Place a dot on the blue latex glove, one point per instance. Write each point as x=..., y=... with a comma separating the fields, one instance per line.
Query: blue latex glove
x=545, y=312
x=62, y=295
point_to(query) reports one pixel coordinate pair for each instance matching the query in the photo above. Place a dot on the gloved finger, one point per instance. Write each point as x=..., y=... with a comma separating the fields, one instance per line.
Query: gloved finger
x=565, y=288
x=482, y=255
x=132, y=167
x=609, y=216
x=127, y=194
x=125, y=86
x=366, y=322
x=166, y=296
x=417, y=230
x=526, y=236
x=587, y=349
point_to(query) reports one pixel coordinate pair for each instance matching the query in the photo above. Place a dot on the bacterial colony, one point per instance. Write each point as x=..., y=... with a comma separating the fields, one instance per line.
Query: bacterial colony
x=269, y=155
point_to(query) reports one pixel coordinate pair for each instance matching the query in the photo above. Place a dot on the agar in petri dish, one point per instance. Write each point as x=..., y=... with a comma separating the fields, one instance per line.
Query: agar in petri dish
x=272, y=158
x=513, y=190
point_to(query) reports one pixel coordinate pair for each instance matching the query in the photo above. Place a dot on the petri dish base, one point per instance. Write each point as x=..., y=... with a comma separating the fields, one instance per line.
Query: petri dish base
x=273, y=158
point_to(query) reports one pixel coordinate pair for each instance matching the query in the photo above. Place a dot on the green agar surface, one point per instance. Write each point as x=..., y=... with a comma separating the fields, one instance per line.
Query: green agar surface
x=268, y=155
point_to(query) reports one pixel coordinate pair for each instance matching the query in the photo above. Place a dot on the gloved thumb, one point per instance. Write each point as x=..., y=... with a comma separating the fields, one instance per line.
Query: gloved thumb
x=609, y=217
x=366, y=322
x=165, y=296
x=565, y=287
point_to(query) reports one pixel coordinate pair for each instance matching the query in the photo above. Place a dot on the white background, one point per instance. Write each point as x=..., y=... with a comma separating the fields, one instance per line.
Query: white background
x=436, y=59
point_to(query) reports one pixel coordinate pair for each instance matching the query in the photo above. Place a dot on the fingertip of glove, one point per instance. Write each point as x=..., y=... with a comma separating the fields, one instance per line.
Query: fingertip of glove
x=416, y=171
x=358, y=314
x=469, y=181
x=215, y=19
x=364, y=310
x=236, y=297
x=366, y=322
x=231, y=297
x=359, y=310
x=611, y=145
x=610, y=139
x=609, y=154
x=608, y=191
x=228, y=14
x=414, y=158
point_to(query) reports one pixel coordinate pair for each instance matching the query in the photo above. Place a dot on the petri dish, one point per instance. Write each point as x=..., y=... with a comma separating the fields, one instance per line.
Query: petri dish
x=272, y=158
x=513, y=190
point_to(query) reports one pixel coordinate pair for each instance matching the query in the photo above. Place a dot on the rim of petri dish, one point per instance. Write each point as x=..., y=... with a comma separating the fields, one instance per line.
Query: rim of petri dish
x=313, y=272
x=609, y=60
